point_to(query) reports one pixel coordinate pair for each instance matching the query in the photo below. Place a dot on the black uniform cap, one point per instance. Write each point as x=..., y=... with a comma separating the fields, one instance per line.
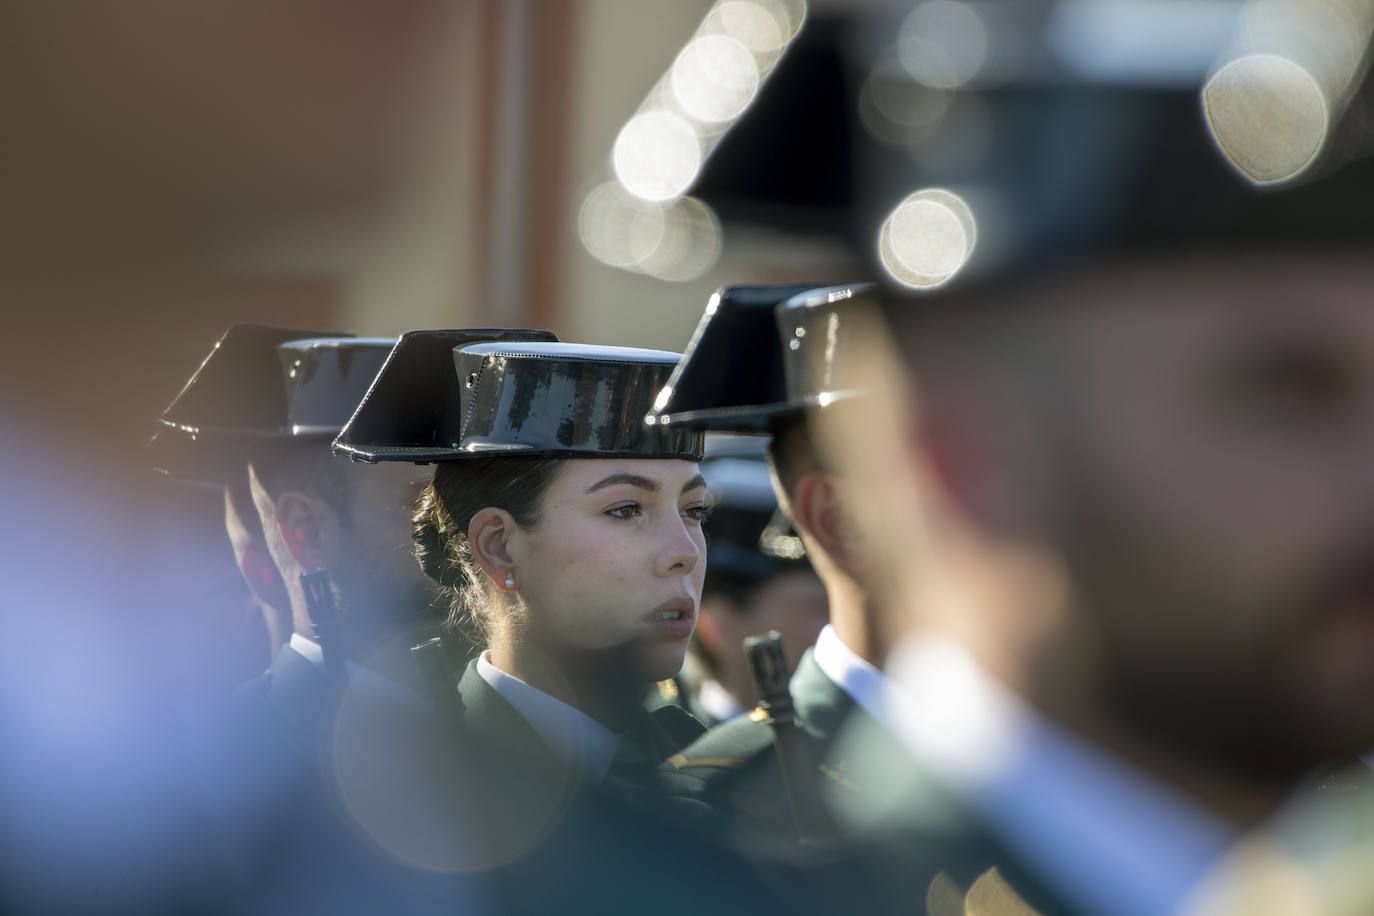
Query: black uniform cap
x=759, y=355
x=413, y=411
x=1078, y=132
x=260, y=384
x=731, y=376
x=567, y=400
x=446, y=395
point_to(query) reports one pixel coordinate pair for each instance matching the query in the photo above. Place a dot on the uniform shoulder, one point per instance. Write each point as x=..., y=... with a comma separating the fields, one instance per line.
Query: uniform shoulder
x=720, y=763
x=728, y=746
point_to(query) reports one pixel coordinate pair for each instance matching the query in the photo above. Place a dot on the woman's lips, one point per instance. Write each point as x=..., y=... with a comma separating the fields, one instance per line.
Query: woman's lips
x=675, y=617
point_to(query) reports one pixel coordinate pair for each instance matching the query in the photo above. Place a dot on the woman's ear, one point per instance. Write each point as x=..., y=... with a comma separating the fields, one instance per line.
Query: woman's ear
x=306, y=527
x=489, y=535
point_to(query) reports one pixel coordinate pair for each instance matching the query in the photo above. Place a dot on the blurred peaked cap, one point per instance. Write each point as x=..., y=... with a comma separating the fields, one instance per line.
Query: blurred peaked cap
x=1089, y=130
x=731, y=377
x=238, y=395
x=566, y=400
x=817, y=353
x=326, y=378
x=413, y=409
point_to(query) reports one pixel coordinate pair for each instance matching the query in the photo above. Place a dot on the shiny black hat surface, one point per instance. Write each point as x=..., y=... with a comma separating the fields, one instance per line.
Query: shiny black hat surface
x=1075, y=131
x=731, y=377
x=325, y=379
x=566, y=400
x=770, y=356
x=261, y=382
x=413, y=411
x=817, y=352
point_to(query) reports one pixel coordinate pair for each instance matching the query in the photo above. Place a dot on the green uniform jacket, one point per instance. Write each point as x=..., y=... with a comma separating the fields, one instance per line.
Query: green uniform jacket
x=880, y=838
x=552, y=844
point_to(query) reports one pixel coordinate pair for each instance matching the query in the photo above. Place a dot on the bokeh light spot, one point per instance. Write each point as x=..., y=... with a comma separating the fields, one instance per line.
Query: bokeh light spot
x=690, y=245
x=942, y=44
x=897, y=110
x=618, y=228
x=714, y=78
x=657, y=155
x=761, y=27
x=1268, y=116
x=675, y=242
x=927, y=238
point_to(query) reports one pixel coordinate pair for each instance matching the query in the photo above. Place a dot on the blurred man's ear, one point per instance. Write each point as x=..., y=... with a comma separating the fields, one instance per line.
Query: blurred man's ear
x=254, y=559
x=308, y=529
x=263, y=577
x=822, y=514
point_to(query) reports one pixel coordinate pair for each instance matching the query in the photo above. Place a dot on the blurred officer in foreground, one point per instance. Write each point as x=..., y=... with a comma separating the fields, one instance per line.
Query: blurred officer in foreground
x=158, y=143
x=757, y=579
x=224, y=466
x=774, y=776
x=1121, y=480
x=263, y=409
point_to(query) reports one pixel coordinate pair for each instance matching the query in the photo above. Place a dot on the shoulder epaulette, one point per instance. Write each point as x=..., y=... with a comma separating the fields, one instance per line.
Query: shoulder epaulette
x=726, y=746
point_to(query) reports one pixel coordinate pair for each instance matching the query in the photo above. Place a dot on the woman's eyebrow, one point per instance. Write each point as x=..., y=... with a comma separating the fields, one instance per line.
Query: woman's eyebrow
x=697, y=481
x=634, y=480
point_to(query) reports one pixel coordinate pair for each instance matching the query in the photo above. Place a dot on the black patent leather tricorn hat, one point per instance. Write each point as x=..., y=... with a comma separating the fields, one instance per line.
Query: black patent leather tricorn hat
x=817, y=351
x=413, y=411
x=755, y=362
x=566, y=400
x=731, y=377
x=259, y=384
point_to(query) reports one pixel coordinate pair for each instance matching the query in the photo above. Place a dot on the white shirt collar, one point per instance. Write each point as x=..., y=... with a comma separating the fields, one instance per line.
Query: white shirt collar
x=577, y=739
x=359, y=676
x=1105, y=835
x=865, y=684
x=308, y=648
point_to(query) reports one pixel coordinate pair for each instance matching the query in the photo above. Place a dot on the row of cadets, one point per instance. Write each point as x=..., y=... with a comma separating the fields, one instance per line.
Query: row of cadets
x=256, y=419
x=577, y=564
x=333, y=734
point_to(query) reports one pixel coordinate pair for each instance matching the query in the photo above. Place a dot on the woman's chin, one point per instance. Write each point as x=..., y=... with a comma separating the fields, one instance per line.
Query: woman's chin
x=662, y=660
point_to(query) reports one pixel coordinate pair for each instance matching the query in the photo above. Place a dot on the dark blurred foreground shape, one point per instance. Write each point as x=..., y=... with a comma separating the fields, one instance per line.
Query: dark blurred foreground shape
x=1116, y=452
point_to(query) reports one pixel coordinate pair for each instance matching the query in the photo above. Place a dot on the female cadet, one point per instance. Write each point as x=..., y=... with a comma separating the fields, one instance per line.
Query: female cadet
x=570, y=533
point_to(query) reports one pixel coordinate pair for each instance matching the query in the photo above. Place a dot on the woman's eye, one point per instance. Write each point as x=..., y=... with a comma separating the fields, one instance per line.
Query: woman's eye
x=698, y=513
x=627, y=511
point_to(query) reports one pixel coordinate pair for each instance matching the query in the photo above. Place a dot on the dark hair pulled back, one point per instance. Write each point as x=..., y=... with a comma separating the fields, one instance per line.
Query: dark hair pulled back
x=445, y=509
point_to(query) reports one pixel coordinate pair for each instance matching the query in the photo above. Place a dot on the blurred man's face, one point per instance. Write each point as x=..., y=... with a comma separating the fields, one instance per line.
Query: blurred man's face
x=1213, y=501
x=377, y=573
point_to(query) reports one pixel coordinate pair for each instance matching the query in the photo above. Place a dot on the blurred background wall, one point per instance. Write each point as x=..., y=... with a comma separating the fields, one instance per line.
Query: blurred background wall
x=490, y=234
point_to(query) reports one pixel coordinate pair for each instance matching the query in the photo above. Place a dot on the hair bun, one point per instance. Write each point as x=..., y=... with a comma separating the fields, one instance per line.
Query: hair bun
x=431, y=538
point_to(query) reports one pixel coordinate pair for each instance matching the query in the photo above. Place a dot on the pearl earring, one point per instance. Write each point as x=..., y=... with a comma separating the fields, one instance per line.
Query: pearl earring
x=510, y=580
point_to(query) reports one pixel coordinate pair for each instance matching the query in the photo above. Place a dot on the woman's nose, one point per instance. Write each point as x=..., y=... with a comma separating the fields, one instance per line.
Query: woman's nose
x=680, y=552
